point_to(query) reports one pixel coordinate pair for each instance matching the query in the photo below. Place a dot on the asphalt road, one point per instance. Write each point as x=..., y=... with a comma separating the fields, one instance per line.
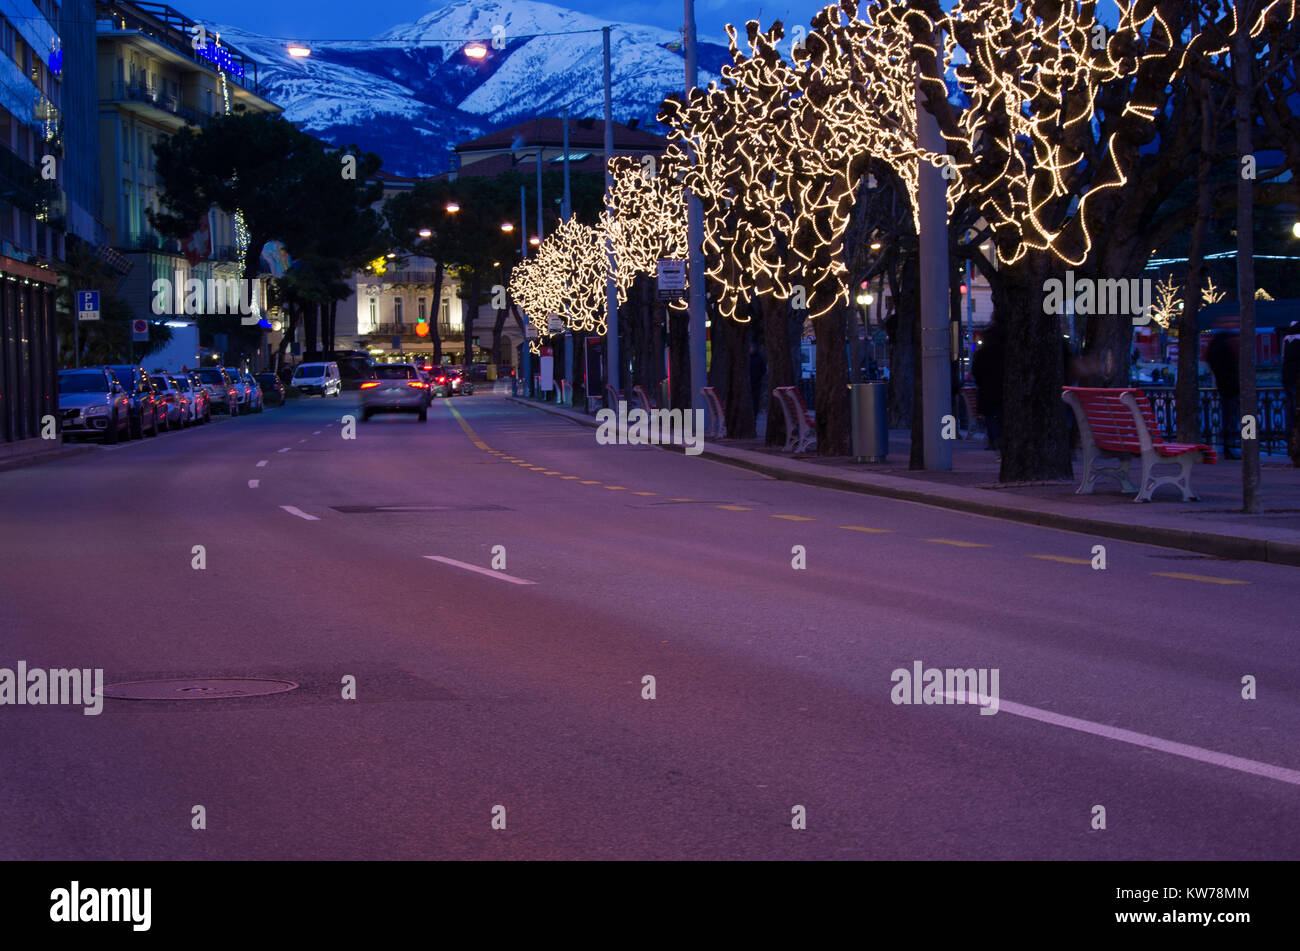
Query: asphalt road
x=522, y=687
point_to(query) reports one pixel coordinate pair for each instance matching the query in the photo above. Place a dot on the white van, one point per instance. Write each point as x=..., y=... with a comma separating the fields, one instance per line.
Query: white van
x=322, y=378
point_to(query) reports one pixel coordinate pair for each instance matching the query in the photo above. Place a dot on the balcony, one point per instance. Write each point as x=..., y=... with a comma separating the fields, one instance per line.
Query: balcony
x=149, y=95
x=445, y=329
x=148, y=241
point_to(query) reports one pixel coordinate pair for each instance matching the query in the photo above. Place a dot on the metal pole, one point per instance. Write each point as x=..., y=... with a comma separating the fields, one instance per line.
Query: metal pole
x=612, y=374
x=936, y=383
x=695, y=240
x=523, y=253
x=970, y=317
x=76, y=334
x=564, y=213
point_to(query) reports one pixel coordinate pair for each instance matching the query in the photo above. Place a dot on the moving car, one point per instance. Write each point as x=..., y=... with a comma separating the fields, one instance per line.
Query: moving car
x=93, y=402
x=167, y=390
x=398, y=388
x=272, y=389
x=221, y=391
x=322, y=378
x=440, y=382
x=146, y=411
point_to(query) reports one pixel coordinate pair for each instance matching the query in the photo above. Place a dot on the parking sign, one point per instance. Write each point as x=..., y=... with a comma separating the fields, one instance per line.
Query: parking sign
x=88, y=305
x=139, y=330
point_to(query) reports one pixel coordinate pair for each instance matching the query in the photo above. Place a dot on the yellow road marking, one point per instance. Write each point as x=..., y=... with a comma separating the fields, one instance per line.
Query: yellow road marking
x=616, y=488
x=589, y=482
x=550, y=472
x=871, y=531
x=1206, y=579
x=568, y=477
x=1062, y=559
x=681, y=500
x=645, y=493
x=795, y=518
x=736, y=508
x=954, y=543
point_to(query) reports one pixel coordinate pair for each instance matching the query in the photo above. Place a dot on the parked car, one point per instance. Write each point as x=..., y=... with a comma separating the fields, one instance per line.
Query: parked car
x=221, y=391
x=241, y=389
x=272, y=389
x=169, y=392
x=398, y=388
x=92, y=402
x=147, y=413
x=195, y=402
x=253, y=403
x=322, y=378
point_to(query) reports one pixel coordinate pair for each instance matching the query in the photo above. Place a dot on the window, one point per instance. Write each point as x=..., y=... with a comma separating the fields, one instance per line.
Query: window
x=424, y=309
x=444, y=313
x=139, y=149
x=397, y=310
x=374, y=311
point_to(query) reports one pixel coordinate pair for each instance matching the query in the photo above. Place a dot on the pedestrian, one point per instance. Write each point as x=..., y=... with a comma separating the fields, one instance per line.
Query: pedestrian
x=989, y=369
x=1222, y=358
x=757, y=369
x=1290, y=335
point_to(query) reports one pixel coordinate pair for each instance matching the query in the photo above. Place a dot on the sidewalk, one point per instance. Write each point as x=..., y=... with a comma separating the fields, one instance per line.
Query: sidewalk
x=1212, y=526
x=31, y=452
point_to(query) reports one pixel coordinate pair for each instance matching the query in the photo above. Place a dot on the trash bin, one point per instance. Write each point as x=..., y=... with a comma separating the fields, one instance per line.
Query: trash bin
x=869, y=421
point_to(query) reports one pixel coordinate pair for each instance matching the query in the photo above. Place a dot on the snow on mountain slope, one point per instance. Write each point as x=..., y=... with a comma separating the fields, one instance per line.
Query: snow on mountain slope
x=411, y=94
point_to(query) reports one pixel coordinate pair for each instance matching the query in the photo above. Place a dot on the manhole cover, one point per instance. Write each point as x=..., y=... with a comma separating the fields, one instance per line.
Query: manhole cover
x=212, y=689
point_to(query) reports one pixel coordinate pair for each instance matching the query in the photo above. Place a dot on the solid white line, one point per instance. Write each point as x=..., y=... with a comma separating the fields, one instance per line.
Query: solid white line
x=262, y=463
x=253, y=483
x=1201, y=755
x=501, y=575
x=285, y=449
x=294, y=510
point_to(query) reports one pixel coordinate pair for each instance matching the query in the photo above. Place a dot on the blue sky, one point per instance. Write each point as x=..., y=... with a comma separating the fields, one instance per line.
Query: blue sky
x=347, y=19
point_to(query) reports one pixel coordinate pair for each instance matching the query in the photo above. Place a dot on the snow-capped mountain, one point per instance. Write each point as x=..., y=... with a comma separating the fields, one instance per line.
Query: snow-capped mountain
x=411, y=93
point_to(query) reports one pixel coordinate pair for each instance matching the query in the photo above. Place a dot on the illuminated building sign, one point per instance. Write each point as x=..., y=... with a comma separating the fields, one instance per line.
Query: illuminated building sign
x=220, y=57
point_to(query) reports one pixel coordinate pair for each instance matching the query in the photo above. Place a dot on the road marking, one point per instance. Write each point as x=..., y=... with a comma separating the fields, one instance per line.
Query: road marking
x=870, y=531
x=294, y=510
x=681, y=500
x=261, y=463
x=735, y=508
x=1200, y=754
x=499, y=575
x=285, y=449
x=1205, y=579
x=253, y=483
x=795, y=518
x=1062, y=559
x=568, y=477
x=645, y=493
x=316, y=433
x=588, y=482
x=551, y=472
x=302, y=440
x=616, y=488
x=473, y=436
x=954, y=543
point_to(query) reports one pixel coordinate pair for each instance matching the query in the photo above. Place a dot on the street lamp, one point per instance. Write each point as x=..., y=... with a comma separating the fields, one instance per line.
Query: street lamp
x=1295, y=229
x=507, y=226
x=534, y=241
x=875, y=245
x=452, y=207
x=476, y=51
x=426, y=233
x=298, y=51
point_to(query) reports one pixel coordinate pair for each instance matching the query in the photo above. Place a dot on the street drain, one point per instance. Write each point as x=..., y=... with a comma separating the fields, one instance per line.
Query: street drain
x=213, y=689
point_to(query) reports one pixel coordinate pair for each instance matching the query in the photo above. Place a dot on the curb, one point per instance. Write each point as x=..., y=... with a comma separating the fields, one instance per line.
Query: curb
x=1234, y=547
x=36, y=458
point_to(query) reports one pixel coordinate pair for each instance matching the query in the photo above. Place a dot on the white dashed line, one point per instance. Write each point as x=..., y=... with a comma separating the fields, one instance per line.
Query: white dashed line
x=316, y=433
x=499, y=575
x=1201, y=755
x=294, y=510
x=285, y=449
x=253, y=483
x=302, y=440
x=261, y=463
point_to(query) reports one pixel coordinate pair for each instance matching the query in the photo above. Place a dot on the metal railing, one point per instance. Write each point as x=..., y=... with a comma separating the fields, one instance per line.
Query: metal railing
x=142, y=92
x=1272, y=416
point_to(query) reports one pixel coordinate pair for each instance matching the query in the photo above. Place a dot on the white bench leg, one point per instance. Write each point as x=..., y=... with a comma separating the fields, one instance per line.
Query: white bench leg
x=1097, y=466
x=1182, y=481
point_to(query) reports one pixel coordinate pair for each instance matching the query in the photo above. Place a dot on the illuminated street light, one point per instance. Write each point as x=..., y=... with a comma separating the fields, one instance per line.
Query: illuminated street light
x=476, y=51
x=452, y=207
x=534, y=241
x=298, y=51
x=426, y=233
x=875, y=245
x=507, y=227
x=1295, y=229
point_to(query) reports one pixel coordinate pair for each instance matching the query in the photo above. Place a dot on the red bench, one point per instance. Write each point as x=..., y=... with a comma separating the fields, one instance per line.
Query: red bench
x=717, y=416
x=643, y=398
x=1118, y=425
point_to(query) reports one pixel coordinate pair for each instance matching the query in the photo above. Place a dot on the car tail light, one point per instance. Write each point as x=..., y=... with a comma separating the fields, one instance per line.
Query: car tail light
x=415, y=383
x=366, y=386
x=442, y=379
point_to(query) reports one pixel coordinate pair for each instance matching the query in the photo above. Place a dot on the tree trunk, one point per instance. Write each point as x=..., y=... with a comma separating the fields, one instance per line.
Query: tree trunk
x=333, y=312
x=1242, y=62
x=831, y=394
x=733, y=383
x=901, y=327
x=496, y=335
x=311, y=313
x=436, y=317
x=1035, y=441
x=780, y=368
x=679, y=348
x=470, y=311
x=1187, y=390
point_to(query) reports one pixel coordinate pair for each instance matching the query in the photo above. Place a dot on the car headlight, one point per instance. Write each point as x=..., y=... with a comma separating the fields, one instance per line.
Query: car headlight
x=97, y=410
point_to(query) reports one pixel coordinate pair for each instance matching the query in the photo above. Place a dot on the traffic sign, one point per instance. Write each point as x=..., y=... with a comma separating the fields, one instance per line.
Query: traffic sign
x=88, y=305
x=671, y=279
x=139, y=330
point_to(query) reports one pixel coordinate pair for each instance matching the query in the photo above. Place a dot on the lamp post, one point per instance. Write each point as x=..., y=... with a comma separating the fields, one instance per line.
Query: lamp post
x=695, y=238
x=612, y=375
